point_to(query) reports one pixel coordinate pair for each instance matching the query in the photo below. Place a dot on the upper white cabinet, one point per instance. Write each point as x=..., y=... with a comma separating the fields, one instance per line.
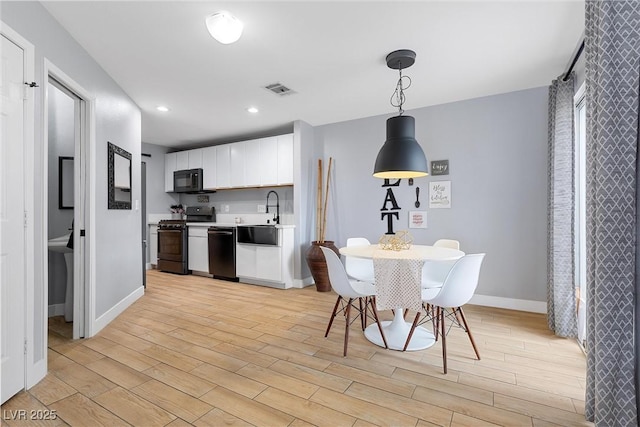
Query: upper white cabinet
x=182, y=160
x=223, y=166
x=260, y=162
x=195, y=158
x=269, y=161
x=169, y=168
x=209, y=166
x=237, y=164
x=252, y=162
x=285, y=159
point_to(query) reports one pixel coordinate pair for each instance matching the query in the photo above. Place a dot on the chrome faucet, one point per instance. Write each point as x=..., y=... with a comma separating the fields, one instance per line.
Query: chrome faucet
x=276, y=217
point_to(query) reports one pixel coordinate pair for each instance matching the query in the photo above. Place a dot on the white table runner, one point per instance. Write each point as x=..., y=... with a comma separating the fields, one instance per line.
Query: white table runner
x=398, y=282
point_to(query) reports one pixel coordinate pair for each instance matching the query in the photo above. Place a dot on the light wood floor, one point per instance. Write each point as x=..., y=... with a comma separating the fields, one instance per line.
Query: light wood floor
x=198, y=351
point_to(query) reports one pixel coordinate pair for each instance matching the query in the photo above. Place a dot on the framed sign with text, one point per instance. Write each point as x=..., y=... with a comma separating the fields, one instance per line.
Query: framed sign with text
x=439, y=194
x=440, y=167
x=418, y=219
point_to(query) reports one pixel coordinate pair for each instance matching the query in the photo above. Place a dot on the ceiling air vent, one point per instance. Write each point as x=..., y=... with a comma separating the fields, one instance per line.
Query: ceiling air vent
x=279, y=89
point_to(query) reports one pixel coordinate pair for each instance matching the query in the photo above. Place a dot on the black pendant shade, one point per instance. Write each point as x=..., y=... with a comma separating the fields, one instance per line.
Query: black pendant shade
x=401, y=156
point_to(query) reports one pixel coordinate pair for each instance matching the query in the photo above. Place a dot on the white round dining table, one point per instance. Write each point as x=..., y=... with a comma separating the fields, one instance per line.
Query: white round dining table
x=397, y=330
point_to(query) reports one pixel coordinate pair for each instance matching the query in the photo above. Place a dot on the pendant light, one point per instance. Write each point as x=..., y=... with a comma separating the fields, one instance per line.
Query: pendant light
x=401, y=156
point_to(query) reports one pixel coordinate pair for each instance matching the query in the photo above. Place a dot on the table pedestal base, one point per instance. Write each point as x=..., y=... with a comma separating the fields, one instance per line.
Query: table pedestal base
x=396, y=332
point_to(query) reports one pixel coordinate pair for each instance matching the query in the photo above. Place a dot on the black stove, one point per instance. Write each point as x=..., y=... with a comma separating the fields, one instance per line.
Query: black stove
x=173, y=246
x=169, y=224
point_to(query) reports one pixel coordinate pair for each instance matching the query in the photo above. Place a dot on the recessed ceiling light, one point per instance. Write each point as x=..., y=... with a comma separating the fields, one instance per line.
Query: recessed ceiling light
x=224, y=27
x=162, y=108
x=252, y=110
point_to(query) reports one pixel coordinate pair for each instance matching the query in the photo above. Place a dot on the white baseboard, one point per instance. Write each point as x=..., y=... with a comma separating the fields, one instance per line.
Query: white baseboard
x=116, y=310
x=297, y=283
x=56, y=310
x=510, y=303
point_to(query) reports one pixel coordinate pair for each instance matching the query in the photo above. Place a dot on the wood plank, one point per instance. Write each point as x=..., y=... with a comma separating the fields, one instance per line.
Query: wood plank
x=51, y=389
x=313, y=376
x=361, y=409
x=180, y=380
x=412, y=407
x=78, y=410
x=279, y=380
x=230, y=380
x=217, y=417
x=171, y=400
x=118, y=373
x=251, y=411
x=304, y=409
x=133, y=409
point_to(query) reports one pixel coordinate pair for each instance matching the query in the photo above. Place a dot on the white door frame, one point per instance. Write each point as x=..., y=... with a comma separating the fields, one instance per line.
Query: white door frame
x=35, y=370
x=84, y=208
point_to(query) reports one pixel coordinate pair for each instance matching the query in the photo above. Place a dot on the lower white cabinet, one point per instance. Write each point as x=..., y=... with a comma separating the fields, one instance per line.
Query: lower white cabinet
x=267, y=265
x=198, y=249
x=153, y=244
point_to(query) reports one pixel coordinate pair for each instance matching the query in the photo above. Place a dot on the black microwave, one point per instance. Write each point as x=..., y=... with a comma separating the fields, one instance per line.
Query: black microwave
x=187, y=181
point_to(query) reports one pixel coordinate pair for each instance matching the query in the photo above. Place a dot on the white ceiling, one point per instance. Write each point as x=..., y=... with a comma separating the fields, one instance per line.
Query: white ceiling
x=332, y=54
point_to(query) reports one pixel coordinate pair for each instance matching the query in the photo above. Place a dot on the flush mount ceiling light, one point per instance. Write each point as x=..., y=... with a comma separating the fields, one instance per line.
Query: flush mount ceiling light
x=252, y=110
x=224, y=27
x=162, y=108
x=401, y=156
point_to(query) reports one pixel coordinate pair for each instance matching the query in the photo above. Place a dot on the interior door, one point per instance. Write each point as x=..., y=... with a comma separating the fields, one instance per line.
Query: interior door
x=12, y=222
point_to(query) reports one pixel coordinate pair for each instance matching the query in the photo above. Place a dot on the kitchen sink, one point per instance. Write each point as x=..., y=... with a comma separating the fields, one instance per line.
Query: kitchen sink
x=262, y=234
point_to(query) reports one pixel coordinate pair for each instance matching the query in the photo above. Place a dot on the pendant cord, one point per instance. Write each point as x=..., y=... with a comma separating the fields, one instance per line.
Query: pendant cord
x=397, y=97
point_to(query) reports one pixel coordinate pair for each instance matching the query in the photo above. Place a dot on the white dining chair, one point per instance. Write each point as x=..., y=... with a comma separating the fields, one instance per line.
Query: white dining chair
x=348, y=292
x=359, y=268
x=447, y=243
x=434, y=272
x=447, y=301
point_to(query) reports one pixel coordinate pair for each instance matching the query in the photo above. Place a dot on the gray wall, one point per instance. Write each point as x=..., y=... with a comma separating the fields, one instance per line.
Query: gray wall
x=118, y=243
x=497, y=150
x=61, y=143
x=157, y=200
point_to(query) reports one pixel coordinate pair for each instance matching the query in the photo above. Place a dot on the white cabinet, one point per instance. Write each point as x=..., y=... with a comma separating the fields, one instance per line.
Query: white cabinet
x=285, y=159
x=182, y=160
x=194, y=158
x=223, y=166
x=169, y=167
x=260, y=162
x=198, y=249
x=246, y=260
x=252, y=162
x=237, y=164
x=269, y=161
x=267, y=265
x=153, y=244
x=209, y=181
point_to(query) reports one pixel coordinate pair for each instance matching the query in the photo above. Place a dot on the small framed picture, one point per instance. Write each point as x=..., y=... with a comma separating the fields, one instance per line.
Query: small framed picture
x=440, y=167
x=417, y=219
x=440, y=194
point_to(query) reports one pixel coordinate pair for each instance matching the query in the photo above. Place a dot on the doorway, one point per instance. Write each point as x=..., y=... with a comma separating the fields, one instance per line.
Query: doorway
x=63, y=135
x=67, y=131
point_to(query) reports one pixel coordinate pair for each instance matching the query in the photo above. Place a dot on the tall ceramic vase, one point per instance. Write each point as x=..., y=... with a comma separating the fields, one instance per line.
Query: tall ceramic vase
x=317, y=264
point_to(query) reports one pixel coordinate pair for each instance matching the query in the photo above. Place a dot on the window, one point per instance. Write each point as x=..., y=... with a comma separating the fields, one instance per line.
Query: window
x=580, y=234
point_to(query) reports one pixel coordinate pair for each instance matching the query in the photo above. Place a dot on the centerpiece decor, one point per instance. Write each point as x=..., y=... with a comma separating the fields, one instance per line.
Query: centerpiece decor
x=314, y=257
x=176, y=211
x=396, y=242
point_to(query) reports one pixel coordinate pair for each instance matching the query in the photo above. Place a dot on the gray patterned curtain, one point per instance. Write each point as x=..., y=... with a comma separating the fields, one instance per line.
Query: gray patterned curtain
x=561, y=300
x=612, y=49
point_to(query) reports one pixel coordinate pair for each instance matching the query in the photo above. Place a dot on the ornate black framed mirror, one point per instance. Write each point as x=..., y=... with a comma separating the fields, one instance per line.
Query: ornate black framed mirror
x=119, y=189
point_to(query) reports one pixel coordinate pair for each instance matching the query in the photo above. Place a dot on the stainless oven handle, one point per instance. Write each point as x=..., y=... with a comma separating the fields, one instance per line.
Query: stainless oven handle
x=169, y=231
x=223, y=233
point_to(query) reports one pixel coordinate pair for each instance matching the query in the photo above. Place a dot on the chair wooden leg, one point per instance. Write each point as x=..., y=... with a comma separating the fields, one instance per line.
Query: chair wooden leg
x=346, y=328
x=413, y=328
x=333, y=315
x=437, y=325
x=444, y=339
x=466, y=327
x=362, y=318
x=375, y=314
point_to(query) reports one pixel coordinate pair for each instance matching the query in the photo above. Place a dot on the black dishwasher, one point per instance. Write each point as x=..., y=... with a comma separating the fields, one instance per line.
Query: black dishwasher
x=222, y=253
